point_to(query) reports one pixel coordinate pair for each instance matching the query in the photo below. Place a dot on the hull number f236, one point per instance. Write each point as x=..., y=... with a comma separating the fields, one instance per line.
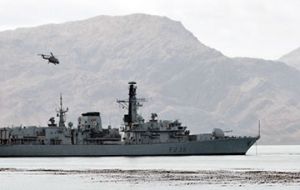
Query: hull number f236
x=177, y=149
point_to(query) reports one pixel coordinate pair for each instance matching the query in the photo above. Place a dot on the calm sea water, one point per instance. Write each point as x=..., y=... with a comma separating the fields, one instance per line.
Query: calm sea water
x=32, y=173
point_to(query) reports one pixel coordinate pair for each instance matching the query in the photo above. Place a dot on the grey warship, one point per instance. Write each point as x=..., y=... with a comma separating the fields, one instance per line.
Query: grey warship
x=136, y=138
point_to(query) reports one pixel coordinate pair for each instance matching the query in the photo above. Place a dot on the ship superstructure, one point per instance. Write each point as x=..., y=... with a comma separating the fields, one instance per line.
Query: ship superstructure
x=89, y=131
x=137, y=131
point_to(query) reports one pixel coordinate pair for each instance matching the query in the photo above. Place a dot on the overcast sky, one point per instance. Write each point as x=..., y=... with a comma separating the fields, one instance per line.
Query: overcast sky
x=249, y=28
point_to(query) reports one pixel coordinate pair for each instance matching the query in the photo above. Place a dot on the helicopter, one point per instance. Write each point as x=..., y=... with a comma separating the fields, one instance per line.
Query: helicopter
x=51, y=58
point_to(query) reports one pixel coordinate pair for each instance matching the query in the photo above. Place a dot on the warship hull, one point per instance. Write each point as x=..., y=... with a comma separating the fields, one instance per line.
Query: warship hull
x=234, y=146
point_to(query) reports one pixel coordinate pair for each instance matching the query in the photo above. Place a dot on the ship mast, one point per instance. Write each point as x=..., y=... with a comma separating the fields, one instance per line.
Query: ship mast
x=61, y=113
x=132, y=105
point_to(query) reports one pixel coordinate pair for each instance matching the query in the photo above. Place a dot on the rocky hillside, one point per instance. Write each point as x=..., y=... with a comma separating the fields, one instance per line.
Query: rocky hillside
x=292, y=58
x=181, y=77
